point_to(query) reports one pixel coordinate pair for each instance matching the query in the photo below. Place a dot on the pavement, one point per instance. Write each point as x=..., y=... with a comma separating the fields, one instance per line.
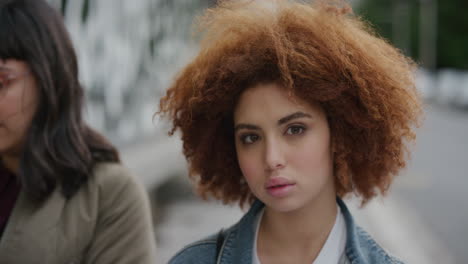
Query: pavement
x=435, y=182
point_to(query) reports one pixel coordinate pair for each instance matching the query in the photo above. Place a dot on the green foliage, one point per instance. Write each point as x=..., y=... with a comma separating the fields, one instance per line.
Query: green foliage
x=85, y=11
x=63, y=6
x=453, y=34
x=451, y=29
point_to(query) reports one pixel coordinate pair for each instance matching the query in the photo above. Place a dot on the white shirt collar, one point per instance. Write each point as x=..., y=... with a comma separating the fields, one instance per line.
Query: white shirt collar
x=331, y=251
x=334, y=247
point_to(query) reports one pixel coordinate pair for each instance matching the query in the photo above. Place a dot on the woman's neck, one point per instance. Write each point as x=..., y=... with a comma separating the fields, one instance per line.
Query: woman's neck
x=11, y=162
x=300, y=234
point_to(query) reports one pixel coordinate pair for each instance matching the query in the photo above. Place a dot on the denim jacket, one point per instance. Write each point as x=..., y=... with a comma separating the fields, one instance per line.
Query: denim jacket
x=238, y=244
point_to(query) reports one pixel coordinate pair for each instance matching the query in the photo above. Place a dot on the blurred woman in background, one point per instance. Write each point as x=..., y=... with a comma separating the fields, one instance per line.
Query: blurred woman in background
x=288, y=108
x=64, y=196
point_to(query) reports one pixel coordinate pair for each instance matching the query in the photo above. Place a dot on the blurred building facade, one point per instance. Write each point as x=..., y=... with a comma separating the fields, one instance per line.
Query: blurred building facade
x=128, y=53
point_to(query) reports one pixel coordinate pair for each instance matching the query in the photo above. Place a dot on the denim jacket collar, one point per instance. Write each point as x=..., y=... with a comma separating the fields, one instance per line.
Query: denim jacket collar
x=360, y=247
x=238, y=245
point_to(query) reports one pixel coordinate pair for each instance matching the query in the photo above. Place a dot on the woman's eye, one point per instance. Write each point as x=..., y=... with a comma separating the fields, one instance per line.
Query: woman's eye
x=295, y=130
x=4, y=82
x=249, y=139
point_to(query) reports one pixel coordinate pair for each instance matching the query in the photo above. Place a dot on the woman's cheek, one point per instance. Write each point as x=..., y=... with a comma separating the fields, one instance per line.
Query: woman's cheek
x=250, y=169
x=313, y=157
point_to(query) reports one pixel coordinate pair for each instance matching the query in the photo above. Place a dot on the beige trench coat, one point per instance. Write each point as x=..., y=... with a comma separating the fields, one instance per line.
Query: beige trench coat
x=107, y=221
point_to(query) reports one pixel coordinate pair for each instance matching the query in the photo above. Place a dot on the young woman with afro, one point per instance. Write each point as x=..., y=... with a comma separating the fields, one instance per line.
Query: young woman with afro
x=289, y=108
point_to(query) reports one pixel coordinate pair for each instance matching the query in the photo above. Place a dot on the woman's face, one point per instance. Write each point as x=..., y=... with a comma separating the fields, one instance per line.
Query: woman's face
x=283, y=148
x=18, y=103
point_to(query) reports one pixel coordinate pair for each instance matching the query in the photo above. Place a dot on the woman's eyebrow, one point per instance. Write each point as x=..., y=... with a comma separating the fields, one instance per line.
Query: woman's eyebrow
x=280, y=122
x=246, y=126
x=293, y=116
x=5, y=69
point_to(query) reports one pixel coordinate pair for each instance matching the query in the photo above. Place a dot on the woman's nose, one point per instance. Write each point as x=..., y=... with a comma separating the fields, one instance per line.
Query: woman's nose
x=274, y=156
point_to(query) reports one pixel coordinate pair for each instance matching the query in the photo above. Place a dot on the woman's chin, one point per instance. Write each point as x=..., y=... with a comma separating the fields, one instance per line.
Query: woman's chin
x=283, y=205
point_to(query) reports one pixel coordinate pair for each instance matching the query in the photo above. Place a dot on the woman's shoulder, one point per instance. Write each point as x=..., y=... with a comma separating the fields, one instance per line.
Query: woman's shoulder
x=114, y=178
x=228, y=243
x=361, y=247
x=111, y=188
x=119, y=206
x=110, y=173
x=204, y=251
x=372, y=251
x=115, y=187
x=201, y=251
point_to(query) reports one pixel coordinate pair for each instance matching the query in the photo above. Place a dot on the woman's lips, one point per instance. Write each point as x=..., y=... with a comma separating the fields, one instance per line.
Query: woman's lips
x=279, y=187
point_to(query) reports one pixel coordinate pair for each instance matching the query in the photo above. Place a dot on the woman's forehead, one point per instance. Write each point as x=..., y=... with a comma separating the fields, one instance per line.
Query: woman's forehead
x=10, y=65
x=271, y=99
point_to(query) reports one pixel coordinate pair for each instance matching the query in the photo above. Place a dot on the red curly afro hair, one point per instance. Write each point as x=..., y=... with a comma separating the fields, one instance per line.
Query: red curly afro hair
x=319, y=52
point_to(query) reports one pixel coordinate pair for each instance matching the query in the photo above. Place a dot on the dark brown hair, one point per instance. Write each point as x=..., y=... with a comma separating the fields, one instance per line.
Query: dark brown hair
x=61, y=149
x=320, y=53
